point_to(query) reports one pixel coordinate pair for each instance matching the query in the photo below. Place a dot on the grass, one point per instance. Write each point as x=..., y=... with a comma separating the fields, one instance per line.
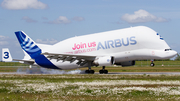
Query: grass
x=12, y=64
x=158, y=63
x=89, y=87
x=84, y=87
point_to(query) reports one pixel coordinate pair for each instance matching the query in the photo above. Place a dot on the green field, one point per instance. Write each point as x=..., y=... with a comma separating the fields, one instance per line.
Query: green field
x=12, y=64
x=84, y=87
x=92, y=87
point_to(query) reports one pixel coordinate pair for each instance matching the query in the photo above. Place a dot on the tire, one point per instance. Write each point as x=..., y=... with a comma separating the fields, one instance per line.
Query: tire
x=105, y=71
x=87, y=71
x=152, y=64
x=100, y=71
x=91, y=71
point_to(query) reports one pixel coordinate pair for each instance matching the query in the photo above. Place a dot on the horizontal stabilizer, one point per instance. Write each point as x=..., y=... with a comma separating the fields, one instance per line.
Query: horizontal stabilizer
x=25, y=61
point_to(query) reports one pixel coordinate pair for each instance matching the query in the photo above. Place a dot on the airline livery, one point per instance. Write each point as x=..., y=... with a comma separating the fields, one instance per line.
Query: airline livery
x=117, y=47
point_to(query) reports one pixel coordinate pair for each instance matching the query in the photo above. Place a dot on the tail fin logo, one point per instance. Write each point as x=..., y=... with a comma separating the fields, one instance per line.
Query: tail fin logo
x=160, y=36
x=27, y=43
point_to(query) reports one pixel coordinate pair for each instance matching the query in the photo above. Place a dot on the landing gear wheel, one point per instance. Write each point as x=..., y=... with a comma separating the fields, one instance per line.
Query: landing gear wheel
x=103, y=70
x=89, y=71
x=152, y=64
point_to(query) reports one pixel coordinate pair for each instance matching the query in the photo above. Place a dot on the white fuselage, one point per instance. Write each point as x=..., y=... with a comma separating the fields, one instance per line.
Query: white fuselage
x=135, y=43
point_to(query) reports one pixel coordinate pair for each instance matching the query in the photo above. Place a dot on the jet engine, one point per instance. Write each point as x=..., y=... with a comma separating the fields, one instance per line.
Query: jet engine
x=127, y=63
x=104, y=61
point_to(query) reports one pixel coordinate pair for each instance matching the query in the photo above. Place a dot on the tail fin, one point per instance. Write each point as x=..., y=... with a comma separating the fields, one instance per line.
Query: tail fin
x=6, y=55
x=27, y=44
x=31, y=48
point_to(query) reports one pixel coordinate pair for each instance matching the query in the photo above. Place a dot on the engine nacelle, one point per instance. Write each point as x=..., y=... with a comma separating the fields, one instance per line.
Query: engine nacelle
x=104, y=61
x=127, y=63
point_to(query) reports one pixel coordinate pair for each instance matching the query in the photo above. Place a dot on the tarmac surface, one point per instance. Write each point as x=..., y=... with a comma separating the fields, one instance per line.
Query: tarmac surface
x=147, y=73
x=51, y=71
x=96, y=73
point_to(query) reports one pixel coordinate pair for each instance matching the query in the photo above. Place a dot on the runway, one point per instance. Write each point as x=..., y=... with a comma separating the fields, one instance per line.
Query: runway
x=24, y=71
x=147, y=73
x=96, y=73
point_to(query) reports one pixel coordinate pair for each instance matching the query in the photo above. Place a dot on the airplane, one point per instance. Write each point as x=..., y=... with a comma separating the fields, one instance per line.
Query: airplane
x=117, y=47
x=6, y=55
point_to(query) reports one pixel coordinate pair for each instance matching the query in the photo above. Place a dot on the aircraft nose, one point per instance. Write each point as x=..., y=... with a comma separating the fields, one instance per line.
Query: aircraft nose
x=174, y=53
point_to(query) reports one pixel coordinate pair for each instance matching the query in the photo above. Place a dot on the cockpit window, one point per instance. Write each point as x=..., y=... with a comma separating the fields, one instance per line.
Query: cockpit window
x=168, y=49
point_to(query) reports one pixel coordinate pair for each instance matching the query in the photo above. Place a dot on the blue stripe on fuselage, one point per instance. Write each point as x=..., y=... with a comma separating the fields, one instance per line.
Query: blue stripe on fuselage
x=44, y=62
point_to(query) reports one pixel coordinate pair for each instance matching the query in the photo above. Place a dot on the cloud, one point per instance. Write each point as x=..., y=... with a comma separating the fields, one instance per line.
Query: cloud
x=141, y=16
x=60, y=20
x=44, y=18
x=28, y=20
x=2, y=37
x=63, y=20
x=15, y=48
x=4, y=40
x=22, y=4
x=13, y=45
x=77, y=18
x=47, y=41
x=4, y=43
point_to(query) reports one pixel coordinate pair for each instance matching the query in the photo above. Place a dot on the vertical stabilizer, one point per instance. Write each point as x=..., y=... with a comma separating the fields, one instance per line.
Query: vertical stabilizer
x=28, y=45
x=32, y=49
x=6, y=55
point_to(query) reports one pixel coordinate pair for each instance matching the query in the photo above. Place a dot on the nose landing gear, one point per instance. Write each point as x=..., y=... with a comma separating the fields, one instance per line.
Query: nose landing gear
x=152, y=64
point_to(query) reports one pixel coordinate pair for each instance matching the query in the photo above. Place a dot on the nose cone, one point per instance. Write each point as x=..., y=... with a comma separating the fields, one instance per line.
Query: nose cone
x=173, y=53
x=165, y=54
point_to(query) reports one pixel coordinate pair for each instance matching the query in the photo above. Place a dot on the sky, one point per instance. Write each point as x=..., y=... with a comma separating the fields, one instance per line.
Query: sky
x=51, y=21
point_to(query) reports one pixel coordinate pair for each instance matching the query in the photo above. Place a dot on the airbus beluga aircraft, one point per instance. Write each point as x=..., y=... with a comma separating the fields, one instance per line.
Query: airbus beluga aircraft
x=117, y=47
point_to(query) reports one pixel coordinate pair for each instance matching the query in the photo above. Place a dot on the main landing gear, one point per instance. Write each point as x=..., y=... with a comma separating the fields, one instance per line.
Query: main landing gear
x=103, y=70
x=89, y=71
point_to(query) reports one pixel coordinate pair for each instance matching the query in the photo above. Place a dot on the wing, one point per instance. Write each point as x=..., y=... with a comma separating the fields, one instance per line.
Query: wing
x=82, y=59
